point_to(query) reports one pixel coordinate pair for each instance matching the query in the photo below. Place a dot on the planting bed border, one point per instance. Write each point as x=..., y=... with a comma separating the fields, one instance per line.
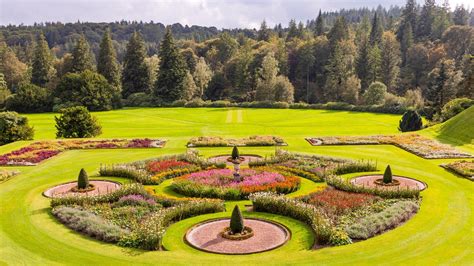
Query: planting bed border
x=45, y=193
x=381, y=187
x=281, y=226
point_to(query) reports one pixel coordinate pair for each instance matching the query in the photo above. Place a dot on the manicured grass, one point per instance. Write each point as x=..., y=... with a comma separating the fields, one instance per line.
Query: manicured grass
x=441, y=233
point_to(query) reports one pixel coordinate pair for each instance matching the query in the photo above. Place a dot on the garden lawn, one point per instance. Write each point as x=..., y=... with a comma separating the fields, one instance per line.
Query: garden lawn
x=441, y=233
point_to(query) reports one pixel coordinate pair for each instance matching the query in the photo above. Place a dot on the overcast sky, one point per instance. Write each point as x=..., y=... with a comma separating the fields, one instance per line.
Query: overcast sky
x=224, y=13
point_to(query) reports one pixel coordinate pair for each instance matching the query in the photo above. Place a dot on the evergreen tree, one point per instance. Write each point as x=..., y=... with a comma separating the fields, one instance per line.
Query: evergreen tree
x=390, y=65
x=427, y=16
x=107, y=65
x=376, y=31
x=410, y=121
x=263, y=33
x=339, y=69
x=135, y=74
x=406, y=41
x=375, y=64
x=409, y=17
x=387, y=175
x=82, y=180
x=442, y=20
x=82, y=56
x=292, y=30
x=42, y=62
x=236, y=221
x=460, y=16
x=362, y=66
x=338, y=33
x=170, y=83
x=319, y=30
x=445, y=80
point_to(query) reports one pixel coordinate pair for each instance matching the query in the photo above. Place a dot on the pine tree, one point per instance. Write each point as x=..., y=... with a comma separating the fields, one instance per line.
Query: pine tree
x=292, y=30
x=339, y=70
x=319, y=30
x=263, y=33
x=82, y=56
x=42, y=62
x=135, y=74
x=406, y=42
x=460, y=15
x=107, y=65
x=338, y=33
x=376, y=31
x=409, y=17
x=390, y=63
x=445, y=80
x=427, y=16
x=169, y=85
x=362, y=66
x=375, y=64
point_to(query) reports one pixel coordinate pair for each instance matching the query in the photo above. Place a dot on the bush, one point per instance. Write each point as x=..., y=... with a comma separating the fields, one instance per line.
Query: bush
x=89, y=224
x=30, y=98
x=414, y=99
x=82, y=180
x=235, y=153
x=139, y=99
x=77, y=122
x=14, y=127
x=455, y=107
x=236, y=221
x=389, y=218
x=411, y=121
x=387, y=175
x=375, y=94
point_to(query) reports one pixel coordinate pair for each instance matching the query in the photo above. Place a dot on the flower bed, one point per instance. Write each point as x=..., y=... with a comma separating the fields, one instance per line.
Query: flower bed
x=220, y=183
x=6, y=174
x=208, y=141
x=462, y=168
x=42, y=150
x=414, y=143
x=129, y=217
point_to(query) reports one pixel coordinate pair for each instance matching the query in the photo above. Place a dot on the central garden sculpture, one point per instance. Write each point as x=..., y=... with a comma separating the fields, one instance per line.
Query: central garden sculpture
x=236, y=159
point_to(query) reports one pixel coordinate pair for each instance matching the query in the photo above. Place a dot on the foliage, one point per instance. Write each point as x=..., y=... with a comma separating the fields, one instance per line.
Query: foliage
x=82, y=56
x=135, y=75
x=30, y=98
x=14, y=127
x=387, y=175
x=42, y=63
x=455, y=107
x=236, y=221
x=375, y=94
x=107, y=63
x=82, y=180
x=386, y=219
x=208, y=141
x=77, y=122
x=235, y=153
x=6, y=174
x=410, y=121
x=463, y=168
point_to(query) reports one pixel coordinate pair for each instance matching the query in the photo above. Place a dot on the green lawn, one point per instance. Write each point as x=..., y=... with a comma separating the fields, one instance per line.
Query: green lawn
x=441, y=233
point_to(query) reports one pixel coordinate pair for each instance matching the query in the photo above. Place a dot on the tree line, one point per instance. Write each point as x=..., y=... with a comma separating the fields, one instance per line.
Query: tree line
x=413, y=56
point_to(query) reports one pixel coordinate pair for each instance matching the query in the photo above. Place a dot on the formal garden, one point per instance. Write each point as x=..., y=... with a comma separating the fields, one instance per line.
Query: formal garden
x=307, y=192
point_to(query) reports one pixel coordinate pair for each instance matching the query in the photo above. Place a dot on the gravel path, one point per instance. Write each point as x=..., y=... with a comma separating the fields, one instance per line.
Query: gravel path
x=267, y=236
x=368, y=181
x=101, y=187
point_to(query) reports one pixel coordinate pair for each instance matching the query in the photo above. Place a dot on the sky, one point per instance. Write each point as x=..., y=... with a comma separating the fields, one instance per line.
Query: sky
x=221, y=14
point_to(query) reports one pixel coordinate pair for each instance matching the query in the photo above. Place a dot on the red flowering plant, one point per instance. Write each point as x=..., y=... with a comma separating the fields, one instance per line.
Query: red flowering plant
x=160, y=166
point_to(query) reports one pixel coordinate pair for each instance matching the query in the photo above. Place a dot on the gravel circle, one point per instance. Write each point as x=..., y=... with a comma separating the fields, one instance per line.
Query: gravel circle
x=101, y=187
x=405, y=182
x=223, y=159
x=268, y=235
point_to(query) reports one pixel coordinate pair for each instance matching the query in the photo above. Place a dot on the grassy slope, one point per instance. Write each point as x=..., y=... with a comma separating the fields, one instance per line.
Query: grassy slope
x=440, y=234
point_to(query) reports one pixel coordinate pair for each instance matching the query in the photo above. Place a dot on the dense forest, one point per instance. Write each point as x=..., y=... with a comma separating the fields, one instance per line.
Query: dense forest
x=418, y=56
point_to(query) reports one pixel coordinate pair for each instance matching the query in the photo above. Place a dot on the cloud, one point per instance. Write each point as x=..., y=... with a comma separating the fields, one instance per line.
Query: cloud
x=223, y=13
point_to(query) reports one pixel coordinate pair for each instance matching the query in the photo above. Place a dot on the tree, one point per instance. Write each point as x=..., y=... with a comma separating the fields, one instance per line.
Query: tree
x=292, y=30
x=351, y=88
x=107, y=65
x=263, y=33
x=410, y=121
x=319, y=29
x=427, y=16
x=416, y=65
x=30, y=98
x=374, y=64
x=338, y=33
x=76, y=122
x=458, y=41
x=202, y=76
x=406, y=41
x=170, y=83
x=82, y=179
x=461, y=16
x=82, y=56
x=375, y=94
x=42, y=62
x=387, y=175
x=284, y=90
x=390, y=63
x=468, y=78
x=4, y=91
x=190, y=88
x=265, y=90
x=362, y=63
x=376, y=31
x=444, y=83
x=14, y=70
x=135, y=74
x=88, y=89
x=236, y=221
x=414, y=98
x=153, y=66
x=14, y=127
x=339, y=68
x=235, y=153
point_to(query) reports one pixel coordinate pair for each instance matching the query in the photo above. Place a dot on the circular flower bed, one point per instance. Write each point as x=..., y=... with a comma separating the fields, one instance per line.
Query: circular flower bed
x=380, y=182
x=399, y=182
x=207, y=236
x=99, y=187
x=220, y=183
x=90, y=187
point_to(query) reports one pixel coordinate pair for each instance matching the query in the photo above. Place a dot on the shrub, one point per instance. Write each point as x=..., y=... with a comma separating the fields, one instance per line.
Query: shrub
x=375, y=94
x=14, y=127
x=411, y=121
x=387, y=175
x=82, y=180
x=455, y=107
x=236, y=220
x=389, y=218
x=414, y=99
x=139, y=99
x=135, y=200
x=77, y=122
x=89, y=224
x=30, y=98
x=235, y=153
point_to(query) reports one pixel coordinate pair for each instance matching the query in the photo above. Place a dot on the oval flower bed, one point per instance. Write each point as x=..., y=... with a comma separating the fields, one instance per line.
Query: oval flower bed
x=220, y=183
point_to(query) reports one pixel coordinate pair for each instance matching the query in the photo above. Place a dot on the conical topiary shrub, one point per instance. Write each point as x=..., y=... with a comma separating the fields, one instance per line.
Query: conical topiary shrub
x=82, y=180
x=387, y=175
x=236, y=221
x=235, y=153
x=411, y=121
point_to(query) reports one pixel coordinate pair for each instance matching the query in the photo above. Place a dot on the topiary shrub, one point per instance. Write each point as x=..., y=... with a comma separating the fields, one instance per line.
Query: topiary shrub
x=82, y=180
x=411, y=121
x=77, y=122
x=14, y=127
x=387, y=175
x=236, y=221
x=235, y=153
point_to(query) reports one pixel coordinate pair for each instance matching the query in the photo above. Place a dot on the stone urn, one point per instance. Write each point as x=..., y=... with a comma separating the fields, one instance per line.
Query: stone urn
x=235, y=159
